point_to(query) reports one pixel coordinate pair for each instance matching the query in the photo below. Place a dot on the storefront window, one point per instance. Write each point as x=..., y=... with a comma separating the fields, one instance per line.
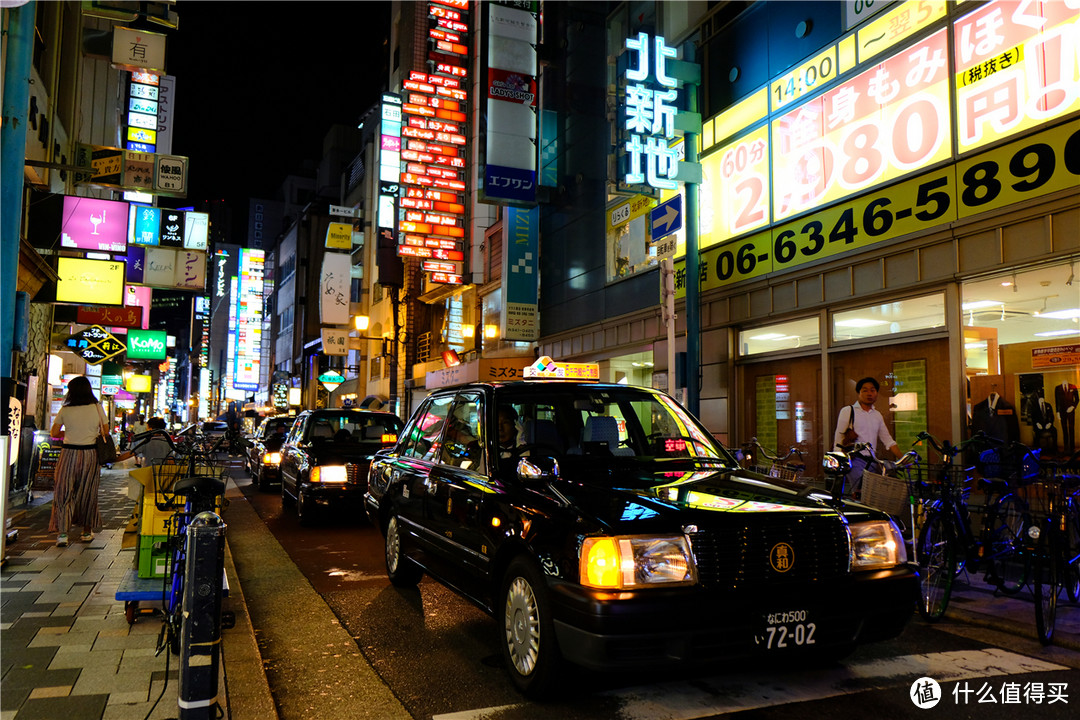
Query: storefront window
x=920, y=313
x=1022, y=356
x=784, y=336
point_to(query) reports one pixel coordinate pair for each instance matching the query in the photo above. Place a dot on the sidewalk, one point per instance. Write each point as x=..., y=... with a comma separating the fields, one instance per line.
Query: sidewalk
x=68, y=651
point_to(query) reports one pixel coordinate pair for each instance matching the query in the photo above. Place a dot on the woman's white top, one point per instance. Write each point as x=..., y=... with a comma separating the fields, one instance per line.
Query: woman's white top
x=82, y=423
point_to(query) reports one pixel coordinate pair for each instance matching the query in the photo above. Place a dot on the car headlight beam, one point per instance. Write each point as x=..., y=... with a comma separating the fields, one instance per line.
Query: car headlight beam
x=876, y=544
x=633, y=561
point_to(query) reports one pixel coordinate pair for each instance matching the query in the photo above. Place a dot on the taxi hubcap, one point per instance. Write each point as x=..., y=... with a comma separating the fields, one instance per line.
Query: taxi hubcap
x=392, y=544
x=522, y=626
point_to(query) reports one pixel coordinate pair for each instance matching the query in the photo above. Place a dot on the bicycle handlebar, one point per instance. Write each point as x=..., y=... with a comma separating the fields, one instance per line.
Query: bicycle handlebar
x=775, y=458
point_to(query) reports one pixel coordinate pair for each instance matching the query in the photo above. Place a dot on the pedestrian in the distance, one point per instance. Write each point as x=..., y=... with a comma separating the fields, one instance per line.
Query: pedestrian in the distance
x=75, y=492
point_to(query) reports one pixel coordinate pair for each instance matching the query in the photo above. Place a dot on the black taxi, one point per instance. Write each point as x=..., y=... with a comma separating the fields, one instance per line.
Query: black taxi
x=325, y=457
x=603, y=525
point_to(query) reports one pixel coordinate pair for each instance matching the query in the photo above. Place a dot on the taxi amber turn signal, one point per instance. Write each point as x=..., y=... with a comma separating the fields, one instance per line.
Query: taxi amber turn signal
x=633, y=561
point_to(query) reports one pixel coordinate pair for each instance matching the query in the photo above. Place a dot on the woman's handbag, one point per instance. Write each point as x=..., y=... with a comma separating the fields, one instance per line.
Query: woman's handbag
x=106, y=449
x=850, y=437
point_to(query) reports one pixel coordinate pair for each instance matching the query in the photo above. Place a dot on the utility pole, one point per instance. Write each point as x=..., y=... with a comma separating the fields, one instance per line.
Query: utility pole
x=20, y=45
x=667, y=305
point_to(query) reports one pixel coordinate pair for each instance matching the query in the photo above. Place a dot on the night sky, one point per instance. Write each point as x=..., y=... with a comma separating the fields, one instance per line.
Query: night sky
x=258, y=84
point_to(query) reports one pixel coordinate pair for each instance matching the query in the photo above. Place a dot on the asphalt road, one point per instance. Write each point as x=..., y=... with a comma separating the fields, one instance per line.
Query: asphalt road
x=438, y=654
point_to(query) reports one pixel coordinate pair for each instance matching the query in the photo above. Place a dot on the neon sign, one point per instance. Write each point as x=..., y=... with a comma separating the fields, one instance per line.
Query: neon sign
x=649, y=115
x=432, y=149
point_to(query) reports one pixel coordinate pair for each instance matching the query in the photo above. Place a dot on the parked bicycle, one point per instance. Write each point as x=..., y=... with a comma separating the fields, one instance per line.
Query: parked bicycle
x=757, y=459
x=194, y=483
x=1054, y=541
x=947, y=544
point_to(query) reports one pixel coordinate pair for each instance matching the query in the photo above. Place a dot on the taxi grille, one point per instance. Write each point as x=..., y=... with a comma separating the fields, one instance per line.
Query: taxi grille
x=733, y=556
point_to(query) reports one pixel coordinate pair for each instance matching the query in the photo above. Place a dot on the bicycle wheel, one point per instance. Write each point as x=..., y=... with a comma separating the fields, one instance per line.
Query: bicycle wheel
x=1047, y=586
x=1008, y=564
x=1072, y=551
x=937, y=565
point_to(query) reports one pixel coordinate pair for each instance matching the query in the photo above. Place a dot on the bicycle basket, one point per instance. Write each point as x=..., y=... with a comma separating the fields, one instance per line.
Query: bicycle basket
x=785, y=472
x=885, y=493
x=1008, y=464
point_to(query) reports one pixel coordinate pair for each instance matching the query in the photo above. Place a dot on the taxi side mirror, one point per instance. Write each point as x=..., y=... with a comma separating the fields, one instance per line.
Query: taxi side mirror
x=533, y=471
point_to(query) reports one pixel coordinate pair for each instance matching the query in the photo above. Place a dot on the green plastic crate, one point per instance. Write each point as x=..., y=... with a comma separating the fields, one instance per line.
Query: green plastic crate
x=153, y=562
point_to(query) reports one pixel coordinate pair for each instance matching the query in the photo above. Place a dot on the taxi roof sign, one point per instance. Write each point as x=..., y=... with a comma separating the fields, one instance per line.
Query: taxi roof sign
x=546, y=368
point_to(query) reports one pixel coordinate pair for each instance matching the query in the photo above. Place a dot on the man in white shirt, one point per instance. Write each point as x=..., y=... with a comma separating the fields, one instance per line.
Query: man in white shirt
x=869, y=426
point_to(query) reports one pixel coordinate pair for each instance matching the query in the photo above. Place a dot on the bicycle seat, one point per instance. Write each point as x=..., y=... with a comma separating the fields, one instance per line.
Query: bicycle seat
x=199, y=485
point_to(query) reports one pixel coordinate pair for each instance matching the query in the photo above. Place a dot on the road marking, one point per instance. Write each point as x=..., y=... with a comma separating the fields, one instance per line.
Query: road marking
x=724, y=694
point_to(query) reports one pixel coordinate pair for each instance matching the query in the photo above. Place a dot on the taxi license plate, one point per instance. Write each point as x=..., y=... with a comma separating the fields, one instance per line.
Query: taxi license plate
x=787, y=629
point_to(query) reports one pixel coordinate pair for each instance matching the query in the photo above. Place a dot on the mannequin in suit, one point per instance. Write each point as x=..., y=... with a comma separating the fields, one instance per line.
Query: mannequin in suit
x=1066, y=399
x=996, y=417
x=1041, y=416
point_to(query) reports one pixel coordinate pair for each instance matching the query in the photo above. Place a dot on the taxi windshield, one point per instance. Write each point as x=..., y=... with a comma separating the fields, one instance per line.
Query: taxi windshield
x=603, y=422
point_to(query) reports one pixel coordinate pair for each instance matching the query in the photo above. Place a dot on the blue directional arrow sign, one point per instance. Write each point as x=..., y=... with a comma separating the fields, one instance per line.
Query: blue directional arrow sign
x=666, y=218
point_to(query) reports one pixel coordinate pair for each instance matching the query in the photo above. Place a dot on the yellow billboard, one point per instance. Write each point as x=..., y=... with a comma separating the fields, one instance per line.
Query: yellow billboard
x=887, y=121
x=1016, y=68
x=79, y=280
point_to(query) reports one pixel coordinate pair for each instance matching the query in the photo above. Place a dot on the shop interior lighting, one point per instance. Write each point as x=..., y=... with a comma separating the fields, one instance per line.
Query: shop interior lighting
x=981, y=345
x=980, y=304
x=767, y=336
x=1071, y=314
x=491, y=331
x=860, y=323
x=1055, y=333
x=468, y=331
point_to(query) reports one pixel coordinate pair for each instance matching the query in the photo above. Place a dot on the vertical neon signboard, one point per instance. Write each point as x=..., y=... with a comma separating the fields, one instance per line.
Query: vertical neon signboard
x=649, y=115
x=433, y=143
x=249, y=311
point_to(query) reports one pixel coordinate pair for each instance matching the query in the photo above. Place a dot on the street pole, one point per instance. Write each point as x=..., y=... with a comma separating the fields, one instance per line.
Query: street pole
x=19, y=45
x=690, y=74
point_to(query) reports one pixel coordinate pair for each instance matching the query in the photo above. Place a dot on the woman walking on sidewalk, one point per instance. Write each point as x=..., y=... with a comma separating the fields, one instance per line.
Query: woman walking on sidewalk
x=75, y=494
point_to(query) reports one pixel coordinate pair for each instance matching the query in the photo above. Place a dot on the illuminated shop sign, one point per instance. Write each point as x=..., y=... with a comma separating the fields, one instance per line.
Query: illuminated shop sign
x=509, y=69
x=168, y=228
x=80, y=280
x=1016, y=68
x=896, y=25
x=736, y=191
x=92, y=224
x=142, y=115
x=249, y=313
x=1021, y=171
x=648, y=114
x=146, y=344
x=887, y=121
x=431, y=149
x=521, y=275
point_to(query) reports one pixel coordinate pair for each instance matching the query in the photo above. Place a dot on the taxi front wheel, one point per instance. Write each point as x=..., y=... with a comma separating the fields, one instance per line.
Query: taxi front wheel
x=529, y=649
x=402, y=571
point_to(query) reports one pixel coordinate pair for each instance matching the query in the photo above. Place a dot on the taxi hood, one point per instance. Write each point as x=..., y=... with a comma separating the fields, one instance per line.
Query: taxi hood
x=700, y=495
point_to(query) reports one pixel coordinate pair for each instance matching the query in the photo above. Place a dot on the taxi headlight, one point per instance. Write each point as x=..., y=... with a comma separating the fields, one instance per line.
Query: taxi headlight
x=272, y=458
x=619, y=563
x=329, y=474
x=876, y=544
